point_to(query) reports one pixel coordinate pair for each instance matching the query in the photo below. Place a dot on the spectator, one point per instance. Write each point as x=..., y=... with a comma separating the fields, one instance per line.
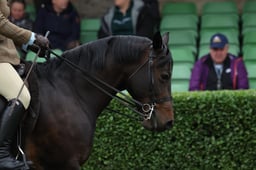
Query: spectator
x=130, y=17
x=63, y=22
x=19, y=17
x=219, y=69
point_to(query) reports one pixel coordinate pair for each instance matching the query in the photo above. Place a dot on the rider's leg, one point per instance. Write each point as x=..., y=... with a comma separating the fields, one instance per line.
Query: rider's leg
x=12, y=115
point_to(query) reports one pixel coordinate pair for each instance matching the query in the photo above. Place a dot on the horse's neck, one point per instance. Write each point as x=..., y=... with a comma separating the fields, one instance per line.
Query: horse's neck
x=71, y=88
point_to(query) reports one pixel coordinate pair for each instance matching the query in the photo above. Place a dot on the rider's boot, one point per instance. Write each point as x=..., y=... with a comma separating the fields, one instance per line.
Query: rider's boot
x=9, y=124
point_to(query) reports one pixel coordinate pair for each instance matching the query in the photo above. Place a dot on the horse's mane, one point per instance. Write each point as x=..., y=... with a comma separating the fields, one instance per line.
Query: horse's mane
x=93, y=55
x=122, y=49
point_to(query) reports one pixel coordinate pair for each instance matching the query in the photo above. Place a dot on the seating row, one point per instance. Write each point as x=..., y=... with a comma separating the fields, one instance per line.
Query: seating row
x=190, y=34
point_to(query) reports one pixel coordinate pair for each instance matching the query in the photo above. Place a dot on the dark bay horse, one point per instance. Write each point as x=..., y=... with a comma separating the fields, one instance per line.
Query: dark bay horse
x=70, y=105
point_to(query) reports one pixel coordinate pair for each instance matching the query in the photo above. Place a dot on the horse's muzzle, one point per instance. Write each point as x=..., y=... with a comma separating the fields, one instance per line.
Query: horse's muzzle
x=153, y=125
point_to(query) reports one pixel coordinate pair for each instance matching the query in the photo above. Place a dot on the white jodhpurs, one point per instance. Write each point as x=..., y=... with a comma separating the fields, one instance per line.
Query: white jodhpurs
x=11, y=83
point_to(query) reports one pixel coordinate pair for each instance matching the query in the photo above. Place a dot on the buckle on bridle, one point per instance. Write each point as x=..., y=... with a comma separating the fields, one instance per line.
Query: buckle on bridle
x=148, y=109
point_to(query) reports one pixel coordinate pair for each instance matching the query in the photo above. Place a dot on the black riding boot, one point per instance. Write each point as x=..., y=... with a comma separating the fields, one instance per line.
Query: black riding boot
x=11, y=118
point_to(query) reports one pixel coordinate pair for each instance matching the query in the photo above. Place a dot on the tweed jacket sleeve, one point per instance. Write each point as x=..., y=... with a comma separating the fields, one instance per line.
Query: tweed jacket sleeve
x=7, y=29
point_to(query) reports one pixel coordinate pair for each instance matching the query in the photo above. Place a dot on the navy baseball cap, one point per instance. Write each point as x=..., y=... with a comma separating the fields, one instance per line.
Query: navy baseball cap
x=218, y=41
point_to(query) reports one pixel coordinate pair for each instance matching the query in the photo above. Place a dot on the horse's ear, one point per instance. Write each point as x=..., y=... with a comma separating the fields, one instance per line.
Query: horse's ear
x=166, y=38
x=157, y=41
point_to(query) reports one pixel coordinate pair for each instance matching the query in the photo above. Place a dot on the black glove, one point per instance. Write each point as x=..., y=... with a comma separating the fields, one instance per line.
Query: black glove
x=41, y=43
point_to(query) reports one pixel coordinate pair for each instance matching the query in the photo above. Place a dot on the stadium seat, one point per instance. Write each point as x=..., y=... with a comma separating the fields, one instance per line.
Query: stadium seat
x=212, y=7
x=249, y=6
x=182, y=71
x=181, y=76
x=182, y=55
x=178, y=22
x=57, y=51
x=31, y=11
x=219, y=21
x=249, y=54
x=31, y=56
x=179, y=85
x=251, y=67
x=183, y=39
x=250, y=37
x=170, y=8
x=89, y=29
x=193, y=33
x=248, y=22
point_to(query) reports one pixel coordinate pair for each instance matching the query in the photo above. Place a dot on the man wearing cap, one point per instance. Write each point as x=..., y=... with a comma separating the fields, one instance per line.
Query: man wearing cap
x=219, y=69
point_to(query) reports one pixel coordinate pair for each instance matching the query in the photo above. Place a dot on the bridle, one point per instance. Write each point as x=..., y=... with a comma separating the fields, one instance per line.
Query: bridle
x=147, y=108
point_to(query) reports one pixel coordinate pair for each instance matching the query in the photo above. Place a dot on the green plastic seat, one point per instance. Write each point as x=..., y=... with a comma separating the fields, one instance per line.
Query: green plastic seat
x=182, y=55
x=86, y=37
x=89, y=29
x=179, y=8
x=232, y=31
x=193, y=33
x=248, y=29
x=180, y=76
x=249, y=38
x=90, y=24
x=181, y=71
x=249, y=53
x=212, y=7
x=213, y=21
x=248, y=19
x=232, y=37
x=56, y=51
x=178, y=22
x=249, y=6
x=179, y=85
x=251, y=67
x=248, y=22
x=31, y=56
x=182, y=38
x=31, y=11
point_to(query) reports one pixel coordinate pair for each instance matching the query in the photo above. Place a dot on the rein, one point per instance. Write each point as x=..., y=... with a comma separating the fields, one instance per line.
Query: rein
x=148, y=108
x=88, y=77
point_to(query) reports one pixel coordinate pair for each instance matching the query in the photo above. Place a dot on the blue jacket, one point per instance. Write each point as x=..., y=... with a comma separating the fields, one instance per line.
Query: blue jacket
x=234, y=75
x=64, y=27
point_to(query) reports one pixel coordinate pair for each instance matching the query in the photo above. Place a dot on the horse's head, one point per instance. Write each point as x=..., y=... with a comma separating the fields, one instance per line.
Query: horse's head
x=150, y=84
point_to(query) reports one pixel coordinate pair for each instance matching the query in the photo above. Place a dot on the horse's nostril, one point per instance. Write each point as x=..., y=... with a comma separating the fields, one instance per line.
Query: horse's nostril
x=169, y=124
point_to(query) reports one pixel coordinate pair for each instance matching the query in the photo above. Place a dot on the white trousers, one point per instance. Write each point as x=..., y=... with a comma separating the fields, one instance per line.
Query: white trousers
x=11, y=83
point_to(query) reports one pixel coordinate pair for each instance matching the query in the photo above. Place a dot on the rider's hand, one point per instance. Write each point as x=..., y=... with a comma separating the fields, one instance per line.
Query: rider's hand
x=41, y=43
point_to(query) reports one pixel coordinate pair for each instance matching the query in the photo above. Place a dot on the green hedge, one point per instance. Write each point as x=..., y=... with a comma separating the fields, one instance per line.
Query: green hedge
x=212, y=130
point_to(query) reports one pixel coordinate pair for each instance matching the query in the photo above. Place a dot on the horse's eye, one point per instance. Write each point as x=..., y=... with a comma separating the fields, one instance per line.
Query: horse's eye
x=165, y=76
